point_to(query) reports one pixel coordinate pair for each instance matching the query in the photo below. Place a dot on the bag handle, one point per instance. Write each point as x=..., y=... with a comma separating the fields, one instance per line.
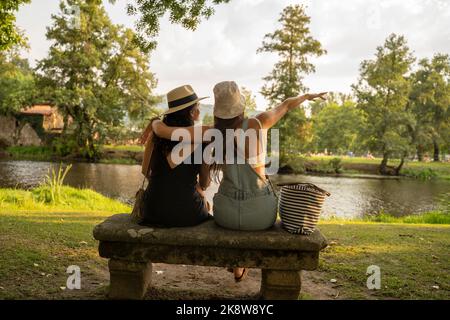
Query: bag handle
x=307, y=184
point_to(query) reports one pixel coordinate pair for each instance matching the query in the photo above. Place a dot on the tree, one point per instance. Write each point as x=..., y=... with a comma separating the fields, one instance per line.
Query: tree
x=208, y=120
x=188, y=13
x=17, y=82
x=9, y=35
x=430, y=103
x=337, y=125
x=95, y=74
x=382, y=94
x=294, y=45
x=249, y=100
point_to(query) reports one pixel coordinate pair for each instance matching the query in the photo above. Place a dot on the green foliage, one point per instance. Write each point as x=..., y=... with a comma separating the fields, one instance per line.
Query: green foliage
x=294, y=46
x=336, y=164
x=131, y=148
x=9, y=35
x=382, y=93
x=50, y=190
x=188, y=13
x=249, y=98
x=430, y=103
x=208, y=120
x=64, y=146
x=336, y=126
x=294, y=161
x=422, y=174
x=17, y=82
x=95, y=74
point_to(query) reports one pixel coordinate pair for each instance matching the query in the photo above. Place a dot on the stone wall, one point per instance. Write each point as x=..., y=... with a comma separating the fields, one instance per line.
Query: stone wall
x=15, y=133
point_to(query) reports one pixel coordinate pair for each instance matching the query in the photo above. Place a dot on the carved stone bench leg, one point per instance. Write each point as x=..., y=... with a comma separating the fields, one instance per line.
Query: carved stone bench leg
x=280, y=284
x=128, y=280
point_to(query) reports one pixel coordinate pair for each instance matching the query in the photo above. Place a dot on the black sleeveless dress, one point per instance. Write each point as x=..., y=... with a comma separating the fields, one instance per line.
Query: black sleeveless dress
x=171, y=198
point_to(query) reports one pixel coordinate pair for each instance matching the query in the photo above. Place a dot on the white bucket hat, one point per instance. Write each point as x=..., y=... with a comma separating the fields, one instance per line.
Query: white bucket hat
x=228, y=101
x=180, y=98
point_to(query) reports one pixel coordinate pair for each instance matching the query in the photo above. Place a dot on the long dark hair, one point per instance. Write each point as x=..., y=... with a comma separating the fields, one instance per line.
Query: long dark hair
x=222, y=125
x=180, y=118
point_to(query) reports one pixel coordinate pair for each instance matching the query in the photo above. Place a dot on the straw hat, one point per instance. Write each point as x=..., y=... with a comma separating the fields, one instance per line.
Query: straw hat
x=228, y=101
x=180, y=98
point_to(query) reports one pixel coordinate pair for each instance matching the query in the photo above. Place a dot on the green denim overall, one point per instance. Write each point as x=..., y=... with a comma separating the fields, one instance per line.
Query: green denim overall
x=244, y=201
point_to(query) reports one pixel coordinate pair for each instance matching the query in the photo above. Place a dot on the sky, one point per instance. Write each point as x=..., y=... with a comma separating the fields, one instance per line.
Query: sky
x=224, y=47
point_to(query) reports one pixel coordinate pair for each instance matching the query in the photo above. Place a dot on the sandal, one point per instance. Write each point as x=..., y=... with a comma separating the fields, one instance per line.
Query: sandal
x=243, y=274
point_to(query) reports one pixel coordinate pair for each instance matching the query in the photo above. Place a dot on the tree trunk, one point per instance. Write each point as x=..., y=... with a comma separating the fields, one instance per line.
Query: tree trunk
x=420, y=153
x=383, y=165
x=436, y=151
x=66, y=124
x=399, y=168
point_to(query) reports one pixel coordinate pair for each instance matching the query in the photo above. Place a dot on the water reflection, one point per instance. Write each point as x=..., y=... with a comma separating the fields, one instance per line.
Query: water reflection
x=350, y=197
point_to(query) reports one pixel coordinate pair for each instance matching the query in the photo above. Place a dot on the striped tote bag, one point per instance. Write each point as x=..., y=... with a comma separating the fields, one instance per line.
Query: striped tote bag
x=299, y=207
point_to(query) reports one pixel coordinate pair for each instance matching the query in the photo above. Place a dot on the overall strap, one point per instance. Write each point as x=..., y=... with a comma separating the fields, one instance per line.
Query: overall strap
x=245, y=124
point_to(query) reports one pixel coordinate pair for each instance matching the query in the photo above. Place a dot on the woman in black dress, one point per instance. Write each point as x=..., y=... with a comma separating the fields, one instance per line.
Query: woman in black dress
x=174, y=196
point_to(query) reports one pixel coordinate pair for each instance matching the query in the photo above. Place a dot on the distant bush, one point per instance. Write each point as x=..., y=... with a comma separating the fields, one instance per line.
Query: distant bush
x=422, y=174
x=323, y=166
x=294, y=161
x=64, y=146
x=336, y=164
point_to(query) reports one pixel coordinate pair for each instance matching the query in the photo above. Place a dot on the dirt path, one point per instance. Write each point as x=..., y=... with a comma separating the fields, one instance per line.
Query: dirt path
x=196, y=282
x=180, y=282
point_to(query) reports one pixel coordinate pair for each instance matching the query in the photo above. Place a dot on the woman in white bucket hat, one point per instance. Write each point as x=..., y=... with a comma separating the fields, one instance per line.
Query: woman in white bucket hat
x=245, y=200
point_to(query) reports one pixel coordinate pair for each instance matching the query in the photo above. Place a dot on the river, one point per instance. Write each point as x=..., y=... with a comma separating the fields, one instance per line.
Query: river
x=350, y=197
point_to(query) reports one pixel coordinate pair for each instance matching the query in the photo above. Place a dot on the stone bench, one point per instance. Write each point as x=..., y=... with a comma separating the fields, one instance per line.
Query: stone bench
x=132, y=248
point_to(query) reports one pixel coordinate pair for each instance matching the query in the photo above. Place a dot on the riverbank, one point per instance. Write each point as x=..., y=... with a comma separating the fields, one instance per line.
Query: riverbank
x=39, y=243
x=108, y=154
x=325, y=165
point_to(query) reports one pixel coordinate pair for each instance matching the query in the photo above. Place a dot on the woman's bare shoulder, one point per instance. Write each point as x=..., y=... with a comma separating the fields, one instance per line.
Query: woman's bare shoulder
x=254, y=123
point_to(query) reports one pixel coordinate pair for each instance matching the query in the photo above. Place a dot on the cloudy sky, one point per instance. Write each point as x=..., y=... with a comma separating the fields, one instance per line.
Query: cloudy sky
x=224, y=47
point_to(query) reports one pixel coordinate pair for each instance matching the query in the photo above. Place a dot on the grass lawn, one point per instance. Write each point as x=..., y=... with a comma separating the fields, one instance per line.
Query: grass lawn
x=39, y=241
x=412, y=259
x=31, y=153
x=132, y=148
x=38, y=245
